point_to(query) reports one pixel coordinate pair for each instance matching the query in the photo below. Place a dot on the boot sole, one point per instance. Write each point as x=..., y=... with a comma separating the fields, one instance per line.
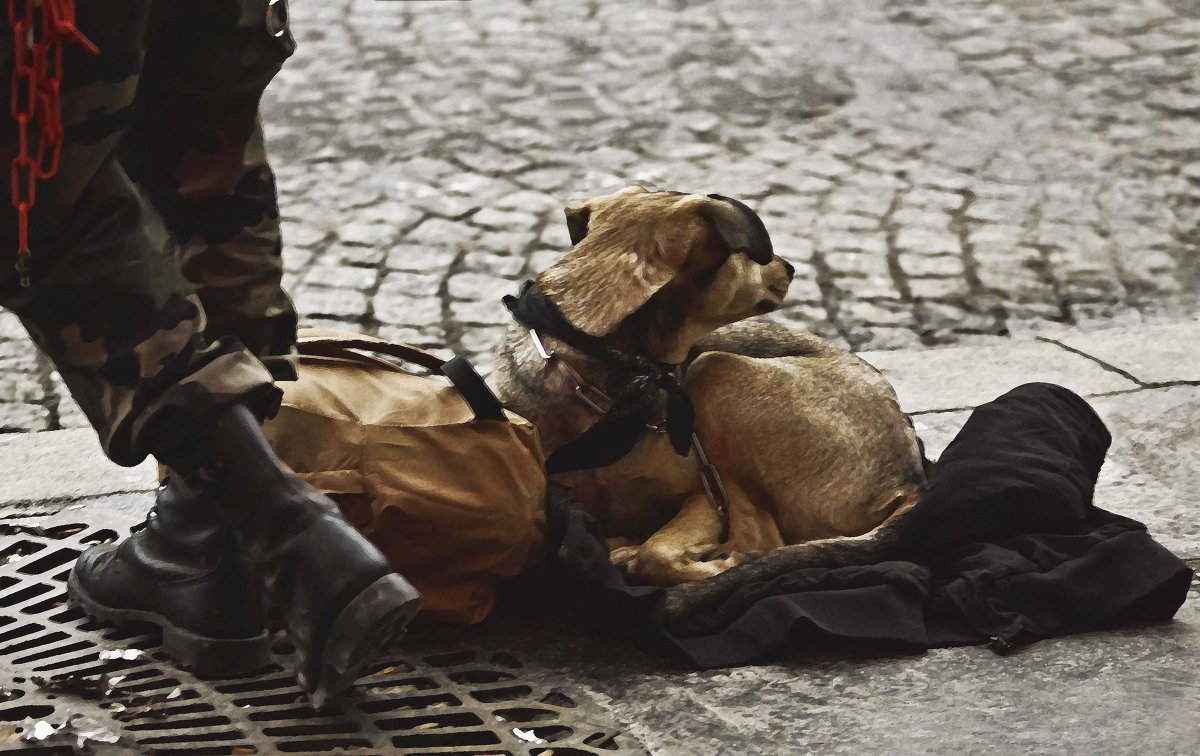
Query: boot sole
x=371, y=623
x=214, y=657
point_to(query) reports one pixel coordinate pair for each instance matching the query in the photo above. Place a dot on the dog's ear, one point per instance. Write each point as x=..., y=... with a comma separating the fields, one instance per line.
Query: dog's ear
x=616, y=268
x=739, y=228
x=577, y=221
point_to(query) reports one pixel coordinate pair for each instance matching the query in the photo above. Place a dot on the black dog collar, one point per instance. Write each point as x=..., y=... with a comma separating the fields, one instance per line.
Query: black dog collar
x=532, y=310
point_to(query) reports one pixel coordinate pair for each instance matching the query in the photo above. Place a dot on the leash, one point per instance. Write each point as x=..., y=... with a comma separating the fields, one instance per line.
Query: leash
x=40, y=27
x=615, y=434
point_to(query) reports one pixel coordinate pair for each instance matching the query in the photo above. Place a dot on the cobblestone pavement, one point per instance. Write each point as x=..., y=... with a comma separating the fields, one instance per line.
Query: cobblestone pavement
x=938, y=171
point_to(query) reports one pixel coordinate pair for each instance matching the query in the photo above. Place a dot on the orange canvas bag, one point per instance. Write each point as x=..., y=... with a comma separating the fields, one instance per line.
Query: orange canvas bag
x=451, y=490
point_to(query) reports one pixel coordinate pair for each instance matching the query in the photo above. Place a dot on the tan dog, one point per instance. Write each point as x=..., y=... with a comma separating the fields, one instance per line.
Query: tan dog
x=808, y=439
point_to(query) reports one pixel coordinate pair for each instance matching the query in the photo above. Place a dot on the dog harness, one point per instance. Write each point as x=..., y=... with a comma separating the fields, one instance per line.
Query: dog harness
x=624, y=419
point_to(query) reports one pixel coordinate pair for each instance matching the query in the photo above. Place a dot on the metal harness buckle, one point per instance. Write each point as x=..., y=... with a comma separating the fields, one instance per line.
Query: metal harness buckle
x=594, y=398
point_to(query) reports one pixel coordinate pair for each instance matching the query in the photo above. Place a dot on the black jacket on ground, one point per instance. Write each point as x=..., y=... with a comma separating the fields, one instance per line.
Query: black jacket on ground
x=1005, y=547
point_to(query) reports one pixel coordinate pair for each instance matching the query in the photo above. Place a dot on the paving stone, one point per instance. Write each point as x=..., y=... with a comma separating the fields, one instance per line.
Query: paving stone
x=339, y=304
x=23, y=417
x=932, y=265
x=495, y=218
x=1151, y=354
x=925, y=242
x=956, y=377
x=341, y=277
x=367, y=234
x=420, y=258
x=407, y=311
x=1103, y=48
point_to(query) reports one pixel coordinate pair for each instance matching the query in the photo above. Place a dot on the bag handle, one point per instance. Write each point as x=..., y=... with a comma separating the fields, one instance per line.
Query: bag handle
x=461, y=373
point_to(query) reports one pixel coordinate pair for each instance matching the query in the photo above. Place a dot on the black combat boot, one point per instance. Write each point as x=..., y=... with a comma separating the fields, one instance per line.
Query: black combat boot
x=340, y=598
x=182, y=573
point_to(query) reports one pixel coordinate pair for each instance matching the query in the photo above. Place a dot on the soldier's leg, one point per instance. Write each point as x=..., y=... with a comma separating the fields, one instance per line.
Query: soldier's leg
x=197, y=151
x=108, y=303
x=110, y=306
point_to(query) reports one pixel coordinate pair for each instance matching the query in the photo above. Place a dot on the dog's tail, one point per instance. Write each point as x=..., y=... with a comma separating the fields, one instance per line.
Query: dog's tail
x=762, y=339
x=877, y=545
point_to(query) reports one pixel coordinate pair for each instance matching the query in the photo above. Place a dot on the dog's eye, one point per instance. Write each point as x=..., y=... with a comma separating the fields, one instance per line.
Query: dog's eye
x=710, y=272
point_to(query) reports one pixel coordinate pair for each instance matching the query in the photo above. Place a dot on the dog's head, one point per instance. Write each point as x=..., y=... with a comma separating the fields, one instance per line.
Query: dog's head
x=676, y=265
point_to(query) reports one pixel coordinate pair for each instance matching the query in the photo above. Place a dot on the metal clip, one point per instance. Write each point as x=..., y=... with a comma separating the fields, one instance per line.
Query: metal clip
x=601, y=404
x=537, y=344
x=714, y=487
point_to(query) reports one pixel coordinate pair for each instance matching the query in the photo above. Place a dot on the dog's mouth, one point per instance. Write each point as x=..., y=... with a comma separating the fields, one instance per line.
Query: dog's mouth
x=778, y=292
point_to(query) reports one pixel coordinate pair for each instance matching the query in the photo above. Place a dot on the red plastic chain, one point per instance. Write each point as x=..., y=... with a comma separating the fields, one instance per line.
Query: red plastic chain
x=40, y=27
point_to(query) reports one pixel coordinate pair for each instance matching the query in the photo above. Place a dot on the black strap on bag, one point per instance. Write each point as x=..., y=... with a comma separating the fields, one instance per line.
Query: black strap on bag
x=461, y=373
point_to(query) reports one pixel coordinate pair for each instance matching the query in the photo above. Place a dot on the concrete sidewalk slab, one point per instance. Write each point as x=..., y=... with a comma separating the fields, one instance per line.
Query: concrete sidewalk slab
x=1151, y=354
x=960, y=377
x=1129, y=691
x=1152, y=472
x=64, y=466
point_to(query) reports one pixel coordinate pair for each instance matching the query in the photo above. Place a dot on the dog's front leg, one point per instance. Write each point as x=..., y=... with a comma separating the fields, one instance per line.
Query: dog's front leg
x=676, y=553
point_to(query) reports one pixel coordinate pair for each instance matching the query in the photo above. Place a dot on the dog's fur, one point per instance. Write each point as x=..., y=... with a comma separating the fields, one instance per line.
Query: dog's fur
x=810, y=441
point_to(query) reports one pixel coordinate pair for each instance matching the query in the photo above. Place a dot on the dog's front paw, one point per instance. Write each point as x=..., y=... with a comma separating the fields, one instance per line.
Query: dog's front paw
x=625, y=557
x=723, y=562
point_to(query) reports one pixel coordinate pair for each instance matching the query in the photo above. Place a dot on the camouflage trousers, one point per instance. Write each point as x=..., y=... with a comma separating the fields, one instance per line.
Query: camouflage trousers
x=156, y=250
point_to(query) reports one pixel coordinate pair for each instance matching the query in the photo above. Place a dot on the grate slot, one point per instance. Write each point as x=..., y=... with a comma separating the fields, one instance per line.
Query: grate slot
x=434, y=739
x=332, y=727
x=17, y=632
x=427, y=722
x=524, y=716
x=205, y=751
x=17, y=713
x=104, y=535
x=19, y=550
x=27, y=593
x=409, y=702
x=52, y=652
x=323, y=746
x=293, y=713
x=192, y=737
x=28, y=643
x=49, y=562
x=179, y=724
x=54, y=602
x=511, y=693
x=481, y=676
x=69, y=614
x=249, y=686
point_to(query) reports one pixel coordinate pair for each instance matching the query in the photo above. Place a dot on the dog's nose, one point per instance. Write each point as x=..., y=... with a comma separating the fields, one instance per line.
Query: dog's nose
x=791, y=269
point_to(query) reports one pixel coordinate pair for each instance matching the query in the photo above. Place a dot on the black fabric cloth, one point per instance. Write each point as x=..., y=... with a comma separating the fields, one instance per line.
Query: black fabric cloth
x=1005, y=548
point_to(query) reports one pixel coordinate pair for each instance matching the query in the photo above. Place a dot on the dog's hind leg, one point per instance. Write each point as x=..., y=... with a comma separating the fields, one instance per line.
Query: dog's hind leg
x=874, y=546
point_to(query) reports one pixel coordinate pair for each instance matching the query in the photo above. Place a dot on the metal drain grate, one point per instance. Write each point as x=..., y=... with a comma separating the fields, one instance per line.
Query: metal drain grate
x=435, y=699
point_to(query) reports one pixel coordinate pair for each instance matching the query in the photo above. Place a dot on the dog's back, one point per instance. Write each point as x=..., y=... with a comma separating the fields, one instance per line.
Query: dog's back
x=814, y=429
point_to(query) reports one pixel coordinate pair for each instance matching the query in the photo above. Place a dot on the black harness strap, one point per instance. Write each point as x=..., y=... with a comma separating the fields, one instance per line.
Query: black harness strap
x=469, y=383
x=603, y=444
